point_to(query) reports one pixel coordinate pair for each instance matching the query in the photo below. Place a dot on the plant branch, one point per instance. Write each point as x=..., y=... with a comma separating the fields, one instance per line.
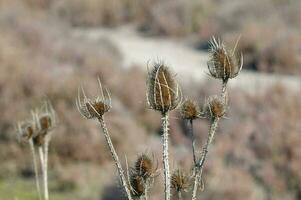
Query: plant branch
x=199, y=167
x=115, y=157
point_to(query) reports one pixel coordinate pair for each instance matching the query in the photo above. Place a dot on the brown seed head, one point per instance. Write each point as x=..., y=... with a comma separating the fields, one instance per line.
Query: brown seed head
x=223, y=64
x=45, y=122
x=190, y=110
x=93, y=108
x=137, y=185
x=215, y=107
x=163, y=91
x=26, y=130
x=180, y=181
x=39, y=140
x=144, y=166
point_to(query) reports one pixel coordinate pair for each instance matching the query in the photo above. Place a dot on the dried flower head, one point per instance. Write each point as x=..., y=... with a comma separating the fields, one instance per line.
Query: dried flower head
x=190, y=110
x=39, y=140
x=45, y=118
x=223, y=63
x=137, y=185
x=163, y=91
x=144, y=166
x=180, y=181
x=215, y=107
x=93, y=108
x=26, y=130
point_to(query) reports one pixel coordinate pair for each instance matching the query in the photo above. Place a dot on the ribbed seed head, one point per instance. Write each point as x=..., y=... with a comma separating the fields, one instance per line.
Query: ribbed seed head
x=223, y=64
x=163, y=91
x=144, y=166
x=215, y=107
x=190, y=110
x=180, y=181
x=137, y=185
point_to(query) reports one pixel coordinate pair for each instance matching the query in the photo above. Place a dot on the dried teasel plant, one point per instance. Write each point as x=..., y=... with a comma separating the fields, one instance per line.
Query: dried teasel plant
x=95, y=109
x=37, y=132
x=163, y=95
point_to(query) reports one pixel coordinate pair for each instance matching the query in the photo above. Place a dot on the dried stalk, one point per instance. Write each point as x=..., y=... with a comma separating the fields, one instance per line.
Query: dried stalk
x=45, y=169
x=35, y=165
x=213, y=126
x=115, y=157
x=166, y=170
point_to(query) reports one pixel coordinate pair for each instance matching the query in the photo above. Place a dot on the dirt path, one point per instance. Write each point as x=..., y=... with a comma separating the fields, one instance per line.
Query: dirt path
x=188, y=62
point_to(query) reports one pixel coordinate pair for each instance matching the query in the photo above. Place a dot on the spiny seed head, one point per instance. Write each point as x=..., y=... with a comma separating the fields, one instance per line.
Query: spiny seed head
x=190, y=110
x=26, y=130
x=223, y=64
x=93, y=108
x=180, y=181
x=144, y=166
x=215, y=107
x=163, y=91
x=137, y=185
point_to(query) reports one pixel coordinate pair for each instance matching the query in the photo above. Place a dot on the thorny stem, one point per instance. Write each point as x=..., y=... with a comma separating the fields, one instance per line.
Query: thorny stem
x=115, y=157
x=224, y=90
x=45, y=169
x=35, y=165
x=165, y=127
x=199, y=167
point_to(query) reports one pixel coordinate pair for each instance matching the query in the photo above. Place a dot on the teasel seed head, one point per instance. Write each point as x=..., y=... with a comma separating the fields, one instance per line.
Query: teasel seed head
x=190, y=110
x=215, y=107
x=180, y=181
x=93, y=108
x=26, y=130
x=144, y=166
x=223, y=64
x=163, y=93
x=45, y=118
x=137, y=185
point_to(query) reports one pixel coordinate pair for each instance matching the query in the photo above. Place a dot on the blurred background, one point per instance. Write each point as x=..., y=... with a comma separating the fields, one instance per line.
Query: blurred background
x=48, y=48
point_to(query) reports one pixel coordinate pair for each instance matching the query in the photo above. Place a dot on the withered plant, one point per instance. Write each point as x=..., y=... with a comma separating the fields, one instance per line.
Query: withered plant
x=38, y=131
